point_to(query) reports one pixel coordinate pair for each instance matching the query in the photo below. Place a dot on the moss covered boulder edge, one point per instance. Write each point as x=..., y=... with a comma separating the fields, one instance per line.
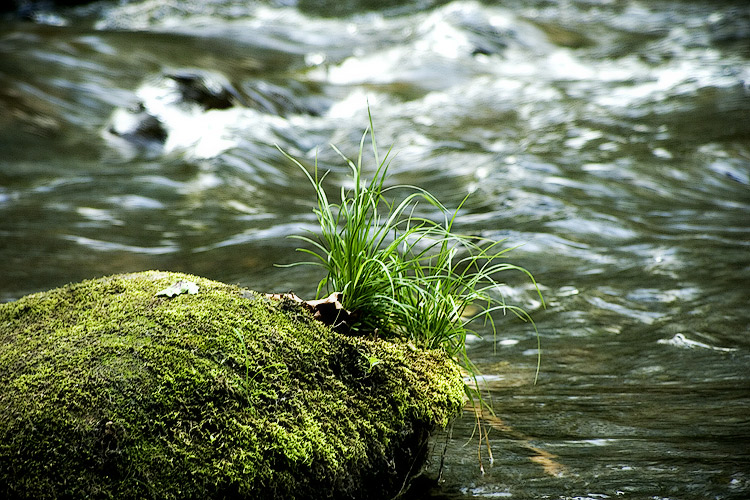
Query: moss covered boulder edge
x=108, y=390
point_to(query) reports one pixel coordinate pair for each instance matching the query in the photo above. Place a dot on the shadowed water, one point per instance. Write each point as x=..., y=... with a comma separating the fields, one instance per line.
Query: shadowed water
x=611, y=139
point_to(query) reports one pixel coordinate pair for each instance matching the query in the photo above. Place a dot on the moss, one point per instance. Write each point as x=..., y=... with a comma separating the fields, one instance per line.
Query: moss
x=109, y=391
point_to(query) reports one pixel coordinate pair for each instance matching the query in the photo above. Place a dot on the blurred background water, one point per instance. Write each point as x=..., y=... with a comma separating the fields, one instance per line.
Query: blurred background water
x=610, y=138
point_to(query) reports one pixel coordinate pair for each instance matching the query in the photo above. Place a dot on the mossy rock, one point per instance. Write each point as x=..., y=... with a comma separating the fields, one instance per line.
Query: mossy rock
x=108, y=390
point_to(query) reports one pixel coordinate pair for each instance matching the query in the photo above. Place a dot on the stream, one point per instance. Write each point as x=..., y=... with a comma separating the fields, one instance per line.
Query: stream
x=608, y=140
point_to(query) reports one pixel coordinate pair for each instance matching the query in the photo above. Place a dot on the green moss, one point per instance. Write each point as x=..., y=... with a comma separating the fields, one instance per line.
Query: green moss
x=108, y=391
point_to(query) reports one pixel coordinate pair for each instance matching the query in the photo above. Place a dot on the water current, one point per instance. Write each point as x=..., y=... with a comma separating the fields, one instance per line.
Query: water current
x=610, y=139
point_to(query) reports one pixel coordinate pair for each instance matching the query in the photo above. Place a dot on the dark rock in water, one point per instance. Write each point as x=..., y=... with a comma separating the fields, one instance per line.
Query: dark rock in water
x=137, y=125
x=134, y=131
x=209, y=91
x=111, y=389
x=198, y=111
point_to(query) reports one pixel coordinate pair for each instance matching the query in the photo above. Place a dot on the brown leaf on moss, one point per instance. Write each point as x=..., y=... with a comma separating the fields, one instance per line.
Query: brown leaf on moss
x=329, y=311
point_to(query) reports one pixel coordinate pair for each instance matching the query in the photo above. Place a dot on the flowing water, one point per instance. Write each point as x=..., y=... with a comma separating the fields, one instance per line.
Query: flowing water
x=611, y=138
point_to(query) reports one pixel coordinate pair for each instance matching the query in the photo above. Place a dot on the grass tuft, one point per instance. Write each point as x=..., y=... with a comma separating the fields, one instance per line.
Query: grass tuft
x=402, y=275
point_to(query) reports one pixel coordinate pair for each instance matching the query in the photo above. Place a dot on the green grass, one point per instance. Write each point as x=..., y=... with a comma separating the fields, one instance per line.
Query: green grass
x=404, y=275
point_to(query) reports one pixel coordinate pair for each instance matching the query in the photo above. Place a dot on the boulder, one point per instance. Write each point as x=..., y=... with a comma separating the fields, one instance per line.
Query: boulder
x=165, y=385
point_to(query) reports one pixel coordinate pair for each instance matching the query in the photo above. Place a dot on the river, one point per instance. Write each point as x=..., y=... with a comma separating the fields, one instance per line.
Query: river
x=609, y=139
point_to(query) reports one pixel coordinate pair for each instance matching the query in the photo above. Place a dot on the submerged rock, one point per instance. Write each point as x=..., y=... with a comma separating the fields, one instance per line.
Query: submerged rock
x=208, y=90
x=109, y=389
x=137, y=126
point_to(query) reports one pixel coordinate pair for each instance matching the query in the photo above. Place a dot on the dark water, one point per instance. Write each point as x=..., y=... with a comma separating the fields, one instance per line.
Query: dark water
x=611, y=138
